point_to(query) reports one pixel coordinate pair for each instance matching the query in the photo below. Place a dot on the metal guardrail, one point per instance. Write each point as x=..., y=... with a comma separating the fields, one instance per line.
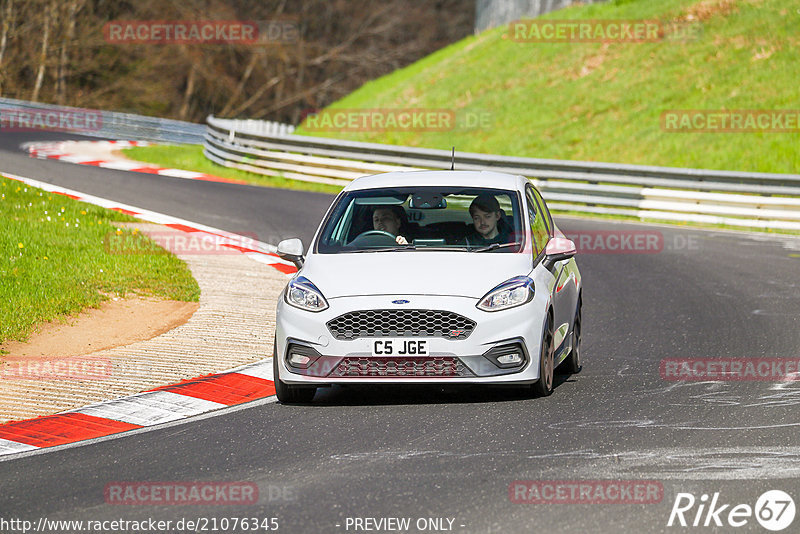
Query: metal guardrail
x=255, y=127
x=745, y=199
x=117, y=125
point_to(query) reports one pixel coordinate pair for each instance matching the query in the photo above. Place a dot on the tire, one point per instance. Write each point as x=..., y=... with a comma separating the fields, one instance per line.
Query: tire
x=289, y=394
x=544, y=386
x=572, y=364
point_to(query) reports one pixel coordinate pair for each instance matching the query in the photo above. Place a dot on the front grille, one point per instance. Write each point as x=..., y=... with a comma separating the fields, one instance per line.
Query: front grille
x=401, y=323
x=443, y=366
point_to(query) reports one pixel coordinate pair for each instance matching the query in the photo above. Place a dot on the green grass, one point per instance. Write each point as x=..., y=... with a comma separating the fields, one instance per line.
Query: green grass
x=56, y=259
x=603, y=102
x=191, y=158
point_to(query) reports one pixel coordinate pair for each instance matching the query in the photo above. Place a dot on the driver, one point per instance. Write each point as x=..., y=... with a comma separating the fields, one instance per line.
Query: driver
x=487, y=222
x=391, y=219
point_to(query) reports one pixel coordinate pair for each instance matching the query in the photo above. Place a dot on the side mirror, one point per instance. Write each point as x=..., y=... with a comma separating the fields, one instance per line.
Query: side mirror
x=292, y=250
x=558, y=249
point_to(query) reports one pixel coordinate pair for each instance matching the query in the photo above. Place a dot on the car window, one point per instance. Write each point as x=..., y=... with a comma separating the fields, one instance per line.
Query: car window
x=536, y=219
x=548, y=219
x=426, y=218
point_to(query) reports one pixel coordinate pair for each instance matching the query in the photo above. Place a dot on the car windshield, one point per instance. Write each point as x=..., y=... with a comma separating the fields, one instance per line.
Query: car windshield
x=423, y=219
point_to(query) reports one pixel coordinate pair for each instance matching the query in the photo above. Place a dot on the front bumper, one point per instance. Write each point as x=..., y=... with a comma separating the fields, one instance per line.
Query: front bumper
x=449, y=361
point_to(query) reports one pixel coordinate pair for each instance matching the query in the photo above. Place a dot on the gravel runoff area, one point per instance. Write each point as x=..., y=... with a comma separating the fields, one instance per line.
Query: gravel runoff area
x=234, y=325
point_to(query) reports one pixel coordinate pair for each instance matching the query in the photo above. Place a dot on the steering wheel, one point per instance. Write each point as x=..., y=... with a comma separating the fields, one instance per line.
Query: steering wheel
x=373, y=238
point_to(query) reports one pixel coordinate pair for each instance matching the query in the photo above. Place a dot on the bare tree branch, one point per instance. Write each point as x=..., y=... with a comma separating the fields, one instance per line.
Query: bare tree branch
x=239, y=88
x=48, y=18
x=8, y=10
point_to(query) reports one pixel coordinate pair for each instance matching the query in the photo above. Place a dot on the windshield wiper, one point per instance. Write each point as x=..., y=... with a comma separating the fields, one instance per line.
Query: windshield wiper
x=382, y=249
x=495, y=246
x=401, y=247
x=410, y=247
x=438, y=249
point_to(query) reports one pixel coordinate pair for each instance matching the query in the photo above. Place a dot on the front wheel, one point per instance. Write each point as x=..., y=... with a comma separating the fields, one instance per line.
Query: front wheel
x=289, y=394
x=544, y=386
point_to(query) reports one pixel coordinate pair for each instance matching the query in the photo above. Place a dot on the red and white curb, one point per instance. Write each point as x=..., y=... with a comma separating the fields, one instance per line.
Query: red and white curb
x=164, y=404
x=161, y=405
x=101, y=154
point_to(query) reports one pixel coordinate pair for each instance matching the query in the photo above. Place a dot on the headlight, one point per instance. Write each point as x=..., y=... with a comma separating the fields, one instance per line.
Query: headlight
x=301, y=293
x=511, y=293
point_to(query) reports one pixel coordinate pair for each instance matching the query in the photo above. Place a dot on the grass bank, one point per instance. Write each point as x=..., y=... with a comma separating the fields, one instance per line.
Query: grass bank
x=55, y=260
x=604, y=101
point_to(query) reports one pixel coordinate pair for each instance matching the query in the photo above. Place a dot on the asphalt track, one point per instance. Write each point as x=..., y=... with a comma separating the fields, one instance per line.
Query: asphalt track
x=420, y=452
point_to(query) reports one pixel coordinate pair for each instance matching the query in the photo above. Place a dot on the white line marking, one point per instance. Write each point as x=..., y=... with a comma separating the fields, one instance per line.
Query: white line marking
x=120, y=165
x=178, y=173
x=74, y=159
x=151, y=408
x=261, y=369
x=10, y=447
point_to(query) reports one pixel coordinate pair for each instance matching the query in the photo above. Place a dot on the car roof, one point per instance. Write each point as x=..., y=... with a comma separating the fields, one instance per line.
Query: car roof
x=496, y=180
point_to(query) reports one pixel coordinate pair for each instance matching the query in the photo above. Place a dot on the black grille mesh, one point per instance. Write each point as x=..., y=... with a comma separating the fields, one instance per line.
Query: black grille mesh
x=400, y=323
x=442, y=366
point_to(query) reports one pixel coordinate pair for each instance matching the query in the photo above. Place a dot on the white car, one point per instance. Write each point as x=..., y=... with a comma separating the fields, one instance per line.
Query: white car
x=434, y=277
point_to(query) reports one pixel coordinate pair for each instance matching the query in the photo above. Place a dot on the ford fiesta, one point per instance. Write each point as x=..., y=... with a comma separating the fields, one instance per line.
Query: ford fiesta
x=430, y=277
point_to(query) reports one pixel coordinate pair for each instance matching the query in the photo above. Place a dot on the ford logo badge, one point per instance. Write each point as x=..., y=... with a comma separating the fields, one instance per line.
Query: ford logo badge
x=400, y=301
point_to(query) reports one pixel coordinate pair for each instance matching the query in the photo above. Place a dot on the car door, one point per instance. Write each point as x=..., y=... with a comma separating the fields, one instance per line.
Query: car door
x=564, y=289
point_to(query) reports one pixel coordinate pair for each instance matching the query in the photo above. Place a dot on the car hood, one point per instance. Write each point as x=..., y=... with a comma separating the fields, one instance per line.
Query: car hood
x=467, y=274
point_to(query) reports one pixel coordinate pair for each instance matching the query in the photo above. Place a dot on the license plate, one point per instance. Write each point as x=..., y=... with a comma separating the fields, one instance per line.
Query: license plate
x=399, y=347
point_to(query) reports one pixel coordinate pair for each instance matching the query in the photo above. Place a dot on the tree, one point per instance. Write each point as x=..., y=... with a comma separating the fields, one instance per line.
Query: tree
x=331, y=48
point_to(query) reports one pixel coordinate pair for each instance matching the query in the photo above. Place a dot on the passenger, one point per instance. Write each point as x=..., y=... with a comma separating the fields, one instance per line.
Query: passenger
x=487, y=221
x=392, y=219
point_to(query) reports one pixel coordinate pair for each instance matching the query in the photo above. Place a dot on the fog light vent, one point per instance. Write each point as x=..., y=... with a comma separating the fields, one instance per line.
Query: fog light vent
x=301, y=356
x=508, y=355
x=299, y=360
x=513, y=358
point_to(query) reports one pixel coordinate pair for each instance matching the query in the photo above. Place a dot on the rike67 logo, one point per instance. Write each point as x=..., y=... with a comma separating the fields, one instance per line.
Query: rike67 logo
x=774, y=510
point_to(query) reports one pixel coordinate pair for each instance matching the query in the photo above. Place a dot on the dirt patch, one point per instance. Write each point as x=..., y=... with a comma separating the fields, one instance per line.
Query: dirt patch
x=706, y=9
x=116, y=323
x=763, y=53
x=593, y=62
